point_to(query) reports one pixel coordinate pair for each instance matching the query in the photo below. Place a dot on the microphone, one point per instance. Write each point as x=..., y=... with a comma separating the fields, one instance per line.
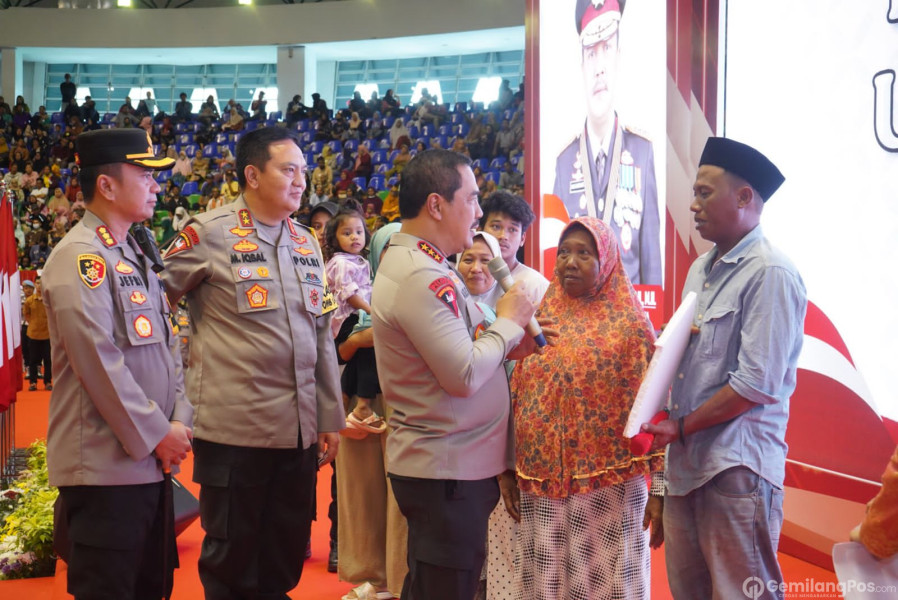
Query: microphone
x=148, y=247
x=500, y=272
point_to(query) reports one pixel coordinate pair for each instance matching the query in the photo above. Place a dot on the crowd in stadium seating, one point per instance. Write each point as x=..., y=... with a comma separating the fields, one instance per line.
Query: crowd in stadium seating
x=357, y=152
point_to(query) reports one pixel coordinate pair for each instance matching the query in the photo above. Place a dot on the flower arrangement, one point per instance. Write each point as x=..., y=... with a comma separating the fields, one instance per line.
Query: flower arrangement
x=26, y=521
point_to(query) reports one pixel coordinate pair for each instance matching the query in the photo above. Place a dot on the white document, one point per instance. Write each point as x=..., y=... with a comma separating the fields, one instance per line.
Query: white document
x=669, y=348
x=862, y=575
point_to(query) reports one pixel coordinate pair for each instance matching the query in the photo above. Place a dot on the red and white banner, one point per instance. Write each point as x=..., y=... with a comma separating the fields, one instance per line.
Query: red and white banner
x=10, y=309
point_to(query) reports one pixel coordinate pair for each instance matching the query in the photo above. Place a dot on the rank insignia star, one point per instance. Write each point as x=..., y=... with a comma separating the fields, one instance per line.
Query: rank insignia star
x=105, y=236
x=91, y=269
x=246, y=219
x=430, y=251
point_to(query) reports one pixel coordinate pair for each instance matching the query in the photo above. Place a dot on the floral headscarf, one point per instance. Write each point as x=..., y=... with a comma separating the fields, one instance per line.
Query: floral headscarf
x=572, y=403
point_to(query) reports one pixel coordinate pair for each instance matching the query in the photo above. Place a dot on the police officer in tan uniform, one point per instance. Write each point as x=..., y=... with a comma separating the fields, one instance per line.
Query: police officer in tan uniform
x=263, y=375
x=441, y=370
x=118, y=415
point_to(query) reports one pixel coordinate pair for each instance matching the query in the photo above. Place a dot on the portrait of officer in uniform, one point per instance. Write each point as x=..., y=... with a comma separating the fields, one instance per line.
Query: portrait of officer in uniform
x=263, y=371
x=118, y=413
x=608, y=169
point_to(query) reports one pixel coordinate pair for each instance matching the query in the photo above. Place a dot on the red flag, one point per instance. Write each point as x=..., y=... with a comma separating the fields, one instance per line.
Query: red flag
x=10, y=309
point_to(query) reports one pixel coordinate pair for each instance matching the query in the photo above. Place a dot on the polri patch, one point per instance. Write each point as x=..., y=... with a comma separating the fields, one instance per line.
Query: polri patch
x=92, y=269
x=444, y=290
x=257, y=296
x=143, y=327
x=430, y=251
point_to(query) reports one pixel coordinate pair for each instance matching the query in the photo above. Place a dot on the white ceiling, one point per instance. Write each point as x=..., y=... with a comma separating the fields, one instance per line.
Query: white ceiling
x=488, y=40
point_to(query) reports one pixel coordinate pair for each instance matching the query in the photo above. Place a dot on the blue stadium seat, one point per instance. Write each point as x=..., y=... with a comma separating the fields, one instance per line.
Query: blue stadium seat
x=456, y=118
x=446, y=142
x=156, y=149
x=492, y=175
x=393, y=155
x=378, y=157
x=250, y=125
x=351, y=144
x=381, y=169
x=189, y=187
x=498, y=162
x=388, y=121
x=306, y=137
x=461, y=107
x=57, y=118
x=428, y=130
x=221, y=138
x=275, y=115
x=184, y=139
x=303, y=125
x=189, y=149
x=360, y=181
x=183, y=127
x=336, y=146
x=317, y=147
x=163, y=176
x=424, y=141
x=210, y=151
x=445, y=130
x=462, y=129
x=377, y=182
x=413, y=131
x=393, y=181
x=483, y=163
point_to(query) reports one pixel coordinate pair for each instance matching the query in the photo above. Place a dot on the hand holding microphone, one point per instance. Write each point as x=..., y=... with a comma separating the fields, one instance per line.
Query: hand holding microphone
x=502, y=274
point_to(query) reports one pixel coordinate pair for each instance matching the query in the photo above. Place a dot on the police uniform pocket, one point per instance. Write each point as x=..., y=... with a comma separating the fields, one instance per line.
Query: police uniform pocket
x=717, y=328
x=255, y=289
x=142, y=321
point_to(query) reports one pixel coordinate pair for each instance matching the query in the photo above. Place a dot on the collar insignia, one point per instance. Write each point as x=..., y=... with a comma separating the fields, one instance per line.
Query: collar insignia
x=244, y=218
x=430, y=251
x=105, y=236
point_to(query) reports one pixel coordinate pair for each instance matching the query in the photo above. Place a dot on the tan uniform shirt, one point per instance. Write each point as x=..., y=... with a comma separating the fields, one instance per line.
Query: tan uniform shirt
x=118, y=379
x=263, y=364
x=440, y=369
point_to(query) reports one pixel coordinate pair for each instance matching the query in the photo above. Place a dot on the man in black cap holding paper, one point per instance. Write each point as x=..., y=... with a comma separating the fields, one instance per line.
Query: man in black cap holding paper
x=730, y=398
x=118, y=414
x=608, y=169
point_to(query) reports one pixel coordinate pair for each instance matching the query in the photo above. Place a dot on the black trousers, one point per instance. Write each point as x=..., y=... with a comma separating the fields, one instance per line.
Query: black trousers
x=447, y=524
x=256, y=507
x=116, y=536
x=39, y=352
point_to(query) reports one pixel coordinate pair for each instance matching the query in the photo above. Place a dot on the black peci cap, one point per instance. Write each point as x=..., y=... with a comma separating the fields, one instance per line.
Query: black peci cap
x=744, y=161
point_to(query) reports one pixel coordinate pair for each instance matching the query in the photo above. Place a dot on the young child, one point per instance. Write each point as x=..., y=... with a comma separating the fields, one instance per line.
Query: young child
x=349, y=276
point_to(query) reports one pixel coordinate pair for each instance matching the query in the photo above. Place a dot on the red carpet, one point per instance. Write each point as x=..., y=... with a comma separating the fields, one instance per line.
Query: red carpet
x=316, y=583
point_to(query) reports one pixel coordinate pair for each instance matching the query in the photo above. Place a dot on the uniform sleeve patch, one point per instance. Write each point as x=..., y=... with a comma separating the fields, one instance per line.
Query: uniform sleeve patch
x=191, y=233
x=143, y=327
x=181, y=243
x=444, y=290
x=92, y=269
x=257, y=296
